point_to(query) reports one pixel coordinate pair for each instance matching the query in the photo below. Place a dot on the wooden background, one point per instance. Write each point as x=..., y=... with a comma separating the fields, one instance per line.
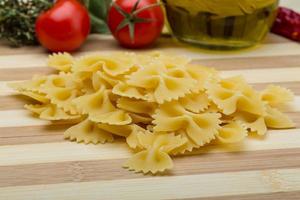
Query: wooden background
x=36, y=162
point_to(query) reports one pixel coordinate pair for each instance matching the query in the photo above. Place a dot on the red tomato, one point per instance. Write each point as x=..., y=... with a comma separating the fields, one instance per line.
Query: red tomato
x=64, y=27
x=147, y=21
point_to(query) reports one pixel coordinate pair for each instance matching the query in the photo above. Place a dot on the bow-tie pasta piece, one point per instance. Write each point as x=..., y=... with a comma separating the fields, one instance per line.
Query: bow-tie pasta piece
x=125, y=90
x=225, y=99
x=233, y=132
x=189, y=146
x=172, y=61
x=36, y=108
x=119, y=130
x=114, y=64
x=140, y=118
x=201, y=75
x=165, y=84
x=88, y=132
x=200, y=128
x=61, y=80
x=152, y=160
x=51, y=112
x=254, y=123
x=132, y=139
x=276, y=95
x=61, y=61
x=195, y=102
x=33, y=85
x=231, y=96
x=100, y=109
x=136, y=106
x=100, y=79
x=40, y=97
x=276, y=119
x=250, y=100
x=62, y=97
x=86, y=66
x=155, y=158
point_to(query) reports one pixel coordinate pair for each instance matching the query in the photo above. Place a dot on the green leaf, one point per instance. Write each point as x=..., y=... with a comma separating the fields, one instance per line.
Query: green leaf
x=98, y=10
x=98, y=25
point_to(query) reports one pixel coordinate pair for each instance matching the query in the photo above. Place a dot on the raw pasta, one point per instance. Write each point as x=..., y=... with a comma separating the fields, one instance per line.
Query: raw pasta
x=161, y=105
x=61, y=61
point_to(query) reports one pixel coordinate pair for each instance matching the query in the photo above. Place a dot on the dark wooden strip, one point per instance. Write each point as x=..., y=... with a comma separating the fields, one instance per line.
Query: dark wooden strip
x=13, y=102
x=251, y=63
x=270, y=196
x=84, y=171
x=31, y=131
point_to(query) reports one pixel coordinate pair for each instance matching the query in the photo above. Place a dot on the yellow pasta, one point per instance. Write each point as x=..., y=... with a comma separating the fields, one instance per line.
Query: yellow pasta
x=88, y=132
x=100, y=109
x=200, y=128
x=113, y=64
x=232, y=133
x=125, y=90
x=275, y=95
x=136, y=106
x=160, y=105
x=51, y=112
x=40, y=97
x=231, y=95
x=195, y=102
x=276, y=119
x=165, y=84
x=62, y=97
x=254, y=123
x=155, y=158
x=61, y=61
x=33, y=85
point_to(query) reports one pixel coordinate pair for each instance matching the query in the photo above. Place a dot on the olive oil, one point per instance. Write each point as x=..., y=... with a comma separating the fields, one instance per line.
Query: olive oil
x=218, y=31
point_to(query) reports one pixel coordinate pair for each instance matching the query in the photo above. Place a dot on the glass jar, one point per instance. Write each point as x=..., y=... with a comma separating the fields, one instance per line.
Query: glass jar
x=221, y=24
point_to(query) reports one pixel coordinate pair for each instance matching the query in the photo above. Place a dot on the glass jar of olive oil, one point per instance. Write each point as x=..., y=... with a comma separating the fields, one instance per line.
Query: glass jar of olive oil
x=221, y=24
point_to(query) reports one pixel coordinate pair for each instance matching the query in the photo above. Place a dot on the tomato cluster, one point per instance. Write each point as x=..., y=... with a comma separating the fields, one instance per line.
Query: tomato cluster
x=135, y=24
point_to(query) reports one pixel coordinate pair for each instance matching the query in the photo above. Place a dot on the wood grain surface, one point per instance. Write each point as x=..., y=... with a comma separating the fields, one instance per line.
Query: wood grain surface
x=37, y=163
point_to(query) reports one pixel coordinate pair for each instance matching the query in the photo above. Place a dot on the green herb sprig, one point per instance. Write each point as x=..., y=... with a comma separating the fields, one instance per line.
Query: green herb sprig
x=17, y=20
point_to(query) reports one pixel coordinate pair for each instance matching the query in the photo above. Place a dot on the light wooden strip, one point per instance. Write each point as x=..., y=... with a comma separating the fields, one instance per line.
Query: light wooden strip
x=282, y=49
x=61, y=152
x=5, y=90
x=94, y=170
x=68, y=151
x=176, y=187
x=17, y=118
x=266, y=75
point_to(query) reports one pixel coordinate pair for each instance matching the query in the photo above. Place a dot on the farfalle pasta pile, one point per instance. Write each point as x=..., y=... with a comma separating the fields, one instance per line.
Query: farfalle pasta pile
x=161, y=105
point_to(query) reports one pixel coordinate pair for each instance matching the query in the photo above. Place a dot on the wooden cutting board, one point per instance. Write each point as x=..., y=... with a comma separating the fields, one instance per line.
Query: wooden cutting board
x=37, y=163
